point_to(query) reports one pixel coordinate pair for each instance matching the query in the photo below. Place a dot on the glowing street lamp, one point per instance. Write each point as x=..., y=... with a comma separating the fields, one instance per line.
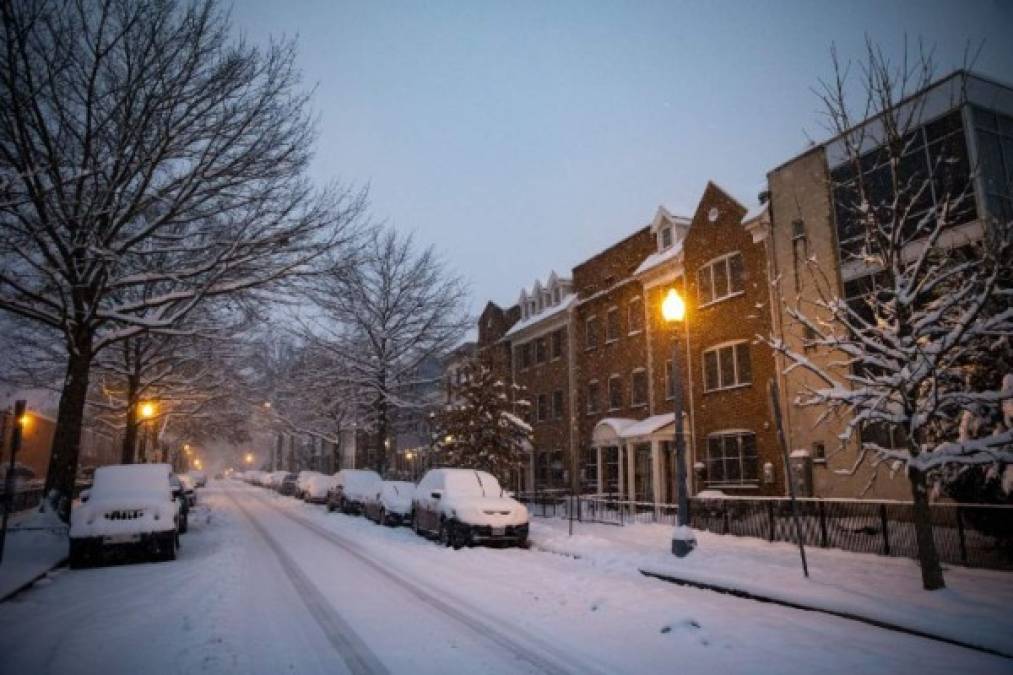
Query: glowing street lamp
x=249, y=458
x=147, y=410
x=673, y=310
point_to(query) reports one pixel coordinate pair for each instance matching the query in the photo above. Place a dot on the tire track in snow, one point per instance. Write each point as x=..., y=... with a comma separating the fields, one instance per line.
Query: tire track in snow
x=359, y=658
x=546, y=658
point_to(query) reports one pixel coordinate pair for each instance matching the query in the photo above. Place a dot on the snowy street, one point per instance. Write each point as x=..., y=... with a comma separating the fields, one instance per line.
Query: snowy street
x=267, y=584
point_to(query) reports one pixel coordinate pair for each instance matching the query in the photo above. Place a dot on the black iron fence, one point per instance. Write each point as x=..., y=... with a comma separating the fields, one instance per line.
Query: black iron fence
x=975, y=535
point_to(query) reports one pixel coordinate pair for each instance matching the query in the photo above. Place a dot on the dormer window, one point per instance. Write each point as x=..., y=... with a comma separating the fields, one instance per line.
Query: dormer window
x=665, y=237
x=555, y=296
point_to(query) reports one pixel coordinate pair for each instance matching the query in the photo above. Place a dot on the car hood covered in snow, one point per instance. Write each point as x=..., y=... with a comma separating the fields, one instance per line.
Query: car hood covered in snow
x=494, y=511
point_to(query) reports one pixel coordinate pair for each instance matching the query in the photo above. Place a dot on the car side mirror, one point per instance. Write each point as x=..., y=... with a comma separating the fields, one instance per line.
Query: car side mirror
x=84, y=495
x=436, y=494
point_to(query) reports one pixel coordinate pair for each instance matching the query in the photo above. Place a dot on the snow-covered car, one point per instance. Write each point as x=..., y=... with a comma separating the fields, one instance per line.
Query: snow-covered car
x=188, y=488
x=129, y=506
x=392, y=504
x=302, y=481
x=317, y=488
x=273, y=480
x=179, y=494
x=287, y=484
x=464, y=507
x=200, y=479
x=351, y=490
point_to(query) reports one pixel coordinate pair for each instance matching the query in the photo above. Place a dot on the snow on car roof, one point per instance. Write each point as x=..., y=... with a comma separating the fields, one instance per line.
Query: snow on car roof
x=131, y=479
x=470, y=482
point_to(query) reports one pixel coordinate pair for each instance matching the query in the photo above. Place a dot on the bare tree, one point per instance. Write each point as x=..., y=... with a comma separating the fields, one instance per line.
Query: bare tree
x=381, y=320
x=141, y=147
x=905, y=349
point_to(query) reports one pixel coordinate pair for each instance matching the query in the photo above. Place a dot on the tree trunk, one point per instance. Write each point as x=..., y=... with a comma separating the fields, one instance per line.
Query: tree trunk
x=130, y=430
x=62, y=473
x=928, y=556
x=382, y=431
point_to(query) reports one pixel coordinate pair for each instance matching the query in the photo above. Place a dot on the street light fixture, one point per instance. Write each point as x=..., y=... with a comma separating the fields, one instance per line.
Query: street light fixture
x=249, y=458
x=673, y=309
x=147, y=410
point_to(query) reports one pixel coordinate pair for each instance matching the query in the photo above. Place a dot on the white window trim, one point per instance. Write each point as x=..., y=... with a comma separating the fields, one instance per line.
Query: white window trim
x=661, y=238
x=613, y=308
x=742, y=482
x=647, y=394
x=558, y=331
x=709, y=266
x=590, y=410
x=629, y=305
x=608, y=392
x=735, y=366
x=589, y=347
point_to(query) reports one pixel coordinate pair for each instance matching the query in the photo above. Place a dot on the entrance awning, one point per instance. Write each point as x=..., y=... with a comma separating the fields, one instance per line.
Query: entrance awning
x=615, y=430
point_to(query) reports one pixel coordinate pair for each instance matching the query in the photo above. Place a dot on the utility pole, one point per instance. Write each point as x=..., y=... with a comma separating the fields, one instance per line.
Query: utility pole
x=19, y=416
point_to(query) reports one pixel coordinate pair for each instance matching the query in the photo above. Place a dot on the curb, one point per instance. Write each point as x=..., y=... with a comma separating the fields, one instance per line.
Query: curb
x=808, y=608
x=25, y=586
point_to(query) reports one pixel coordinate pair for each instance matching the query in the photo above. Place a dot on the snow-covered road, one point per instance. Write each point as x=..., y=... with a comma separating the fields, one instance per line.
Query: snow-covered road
x=266, y=584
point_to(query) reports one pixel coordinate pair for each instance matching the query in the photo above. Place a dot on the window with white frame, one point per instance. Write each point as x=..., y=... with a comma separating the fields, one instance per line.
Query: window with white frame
x=726, y=366
x=638, y=387
x=557, y=404
x=593, y=396
x=635, y=318
x=732, y=458
x=612, y=324
x=665, y=237
x=720, y=278
x=591, y=332
x=615, y=392
x=557, y=344
x=542, y=407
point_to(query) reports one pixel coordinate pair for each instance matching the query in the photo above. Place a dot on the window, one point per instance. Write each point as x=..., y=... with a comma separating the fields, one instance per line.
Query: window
x=732, y=458
x=525, y=355
x=638, y=394
x=727, y=366
x=819, y=451
x=593, y=396
x=541, y=351
x=809, y=338
x=612, y=325
x=635, y=318
x=591, y=333
x=615, y=392
x=669, y=382
x=590, y=481
x=555, y=296
x=665, y=237
x=542, y=407
x=557, y=404
x=557, y=344
x=720, y=278
x=995, y=150
x=935, y=152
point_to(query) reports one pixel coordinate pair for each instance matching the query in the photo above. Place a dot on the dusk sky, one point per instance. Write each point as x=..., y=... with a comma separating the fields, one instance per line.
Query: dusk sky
x=520, y=138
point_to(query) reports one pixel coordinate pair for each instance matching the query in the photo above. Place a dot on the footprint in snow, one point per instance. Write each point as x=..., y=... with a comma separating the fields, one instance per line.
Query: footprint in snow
x=691, y=624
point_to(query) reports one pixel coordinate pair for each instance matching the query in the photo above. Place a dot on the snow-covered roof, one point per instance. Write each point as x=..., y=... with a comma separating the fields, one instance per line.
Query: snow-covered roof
x=755, y=212
x=659, y=258
x=647, y=426
x=548, y=313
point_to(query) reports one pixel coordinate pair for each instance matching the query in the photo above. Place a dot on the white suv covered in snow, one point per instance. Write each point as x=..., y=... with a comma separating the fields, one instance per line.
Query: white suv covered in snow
x=352, y=488
x=128, y=506
x=464, y=507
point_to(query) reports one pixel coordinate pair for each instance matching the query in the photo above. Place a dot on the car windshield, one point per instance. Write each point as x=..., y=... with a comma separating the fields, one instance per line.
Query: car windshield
x=149, y=480
x=472, y=484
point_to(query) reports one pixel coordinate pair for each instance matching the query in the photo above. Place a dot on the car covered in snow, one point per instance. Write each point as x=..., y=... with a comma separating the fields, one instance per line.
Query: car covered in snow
x=189, y=489
x=352, y=489
x=274, y=479
x=129, y=506
x=317, y=488
x=179, y=494
x=463, y=507
x=392, y=504
x=287, y=486
x=301, y=482
x=200, y=479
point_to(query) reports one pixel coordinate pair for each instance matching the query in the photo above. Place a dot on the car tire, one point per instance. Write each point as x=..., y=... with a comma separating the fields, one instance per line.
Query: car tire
x=445, y=533
x=76, y=557
x=184, y=524
x=459, y=536
x=170, y=553
x=415, y=523
x=382, y=517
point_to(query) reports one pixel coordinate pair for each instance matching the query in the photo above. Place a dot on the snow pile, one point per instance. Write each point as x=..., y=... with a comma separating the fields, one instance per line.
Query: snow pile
x=36, y=542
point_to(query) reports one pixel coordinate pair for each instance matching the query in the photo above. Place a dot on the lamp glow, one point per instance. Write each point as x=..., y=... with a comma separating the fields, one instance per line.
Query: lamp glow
x=673, y=308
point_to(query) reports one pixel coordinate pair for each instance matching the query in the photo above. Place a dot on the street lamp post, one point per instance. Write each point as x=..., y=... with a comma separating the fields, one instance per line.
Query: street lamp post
x=673, y=309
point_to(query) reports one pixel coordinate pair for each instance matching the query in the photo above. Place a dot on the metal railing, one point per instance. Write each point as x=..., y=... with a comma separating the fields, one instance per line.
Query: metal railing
x=975, y=535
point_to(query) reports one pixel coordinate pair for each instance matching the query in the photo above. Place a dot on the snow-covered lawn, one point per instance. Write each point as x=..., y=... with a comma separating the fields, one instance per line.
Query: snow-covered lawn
x=36, y=542
x=974, y=608
x=272, y=585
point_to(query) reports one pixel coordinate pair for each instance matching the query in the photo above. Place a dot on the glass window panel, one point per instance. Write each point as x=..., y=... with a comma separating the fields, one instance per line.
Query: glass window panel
x=984, y=119
x=990, y=151
x=704, y=285
x=615, y=393
x=736, y=272
x=612, y=325
x=745, y=366
x=750, y=468
x=720, y=279
x=710, y=369
x=639, y=387
x=726, y=356
x=1005, y=124
x=944, y=126
x=748, y=445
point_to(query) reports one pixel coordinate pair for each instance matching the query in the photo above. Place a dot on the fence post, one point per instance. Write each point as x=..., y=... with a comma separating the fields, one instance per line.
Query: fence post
x=770, y=516
x=960, y=534
x=886, y=531
x=724, y=516
x=823, y=523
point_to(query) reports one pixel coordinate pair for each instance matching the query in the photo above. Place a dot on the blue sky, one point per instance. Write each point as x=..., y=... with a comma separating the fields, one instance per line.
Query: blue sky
x=524, y=137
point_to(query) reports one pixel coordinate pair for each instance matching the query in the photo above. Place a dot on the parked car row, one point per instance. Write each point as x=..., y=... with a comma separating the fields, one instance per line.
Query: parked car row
x=133, y=507
x=458, y=507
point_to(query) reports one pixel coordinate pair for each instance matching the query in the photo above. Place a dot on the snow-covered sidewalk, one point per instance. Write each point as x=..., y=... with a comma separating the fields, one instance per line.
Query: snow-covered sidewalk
x=36, y=542
x=974, y=608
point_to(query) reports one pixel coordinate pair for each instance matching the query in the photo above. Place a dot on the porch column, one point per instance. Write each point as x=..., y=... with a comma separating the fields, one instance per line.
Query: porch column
x=656, y=471
x=600, y=489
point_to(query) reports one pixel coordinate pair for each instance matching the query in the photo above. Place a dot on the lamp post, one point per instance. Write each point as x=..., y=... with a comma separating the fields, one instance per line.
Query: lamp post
x=673, y=309
x=146, y=411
